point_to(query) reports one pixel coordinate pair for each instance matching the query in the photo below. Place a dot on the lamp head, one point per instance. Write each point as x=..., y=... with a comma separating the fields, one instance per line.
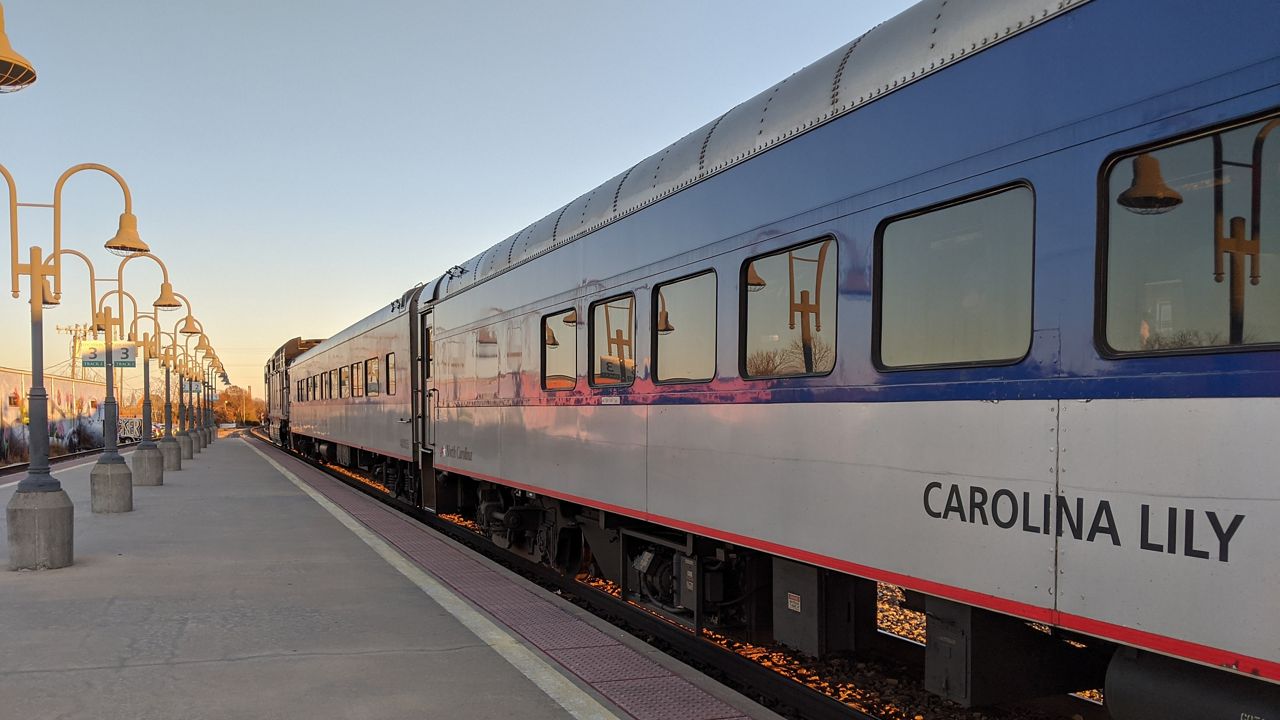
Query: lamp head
x=550, y=338
x=167, y=300
x=16, y=72
x=203, y=346
x=1148, y=195
x=664, y=325
x=571, y=318
x=755, y=283
x=126, y=241
x=47, y=298
x=189, y=327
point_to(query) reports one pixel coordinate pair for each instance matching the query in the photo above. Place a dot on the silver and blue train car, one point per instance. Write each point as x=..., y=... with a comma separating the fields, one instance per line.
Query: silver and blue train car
x=984, y=304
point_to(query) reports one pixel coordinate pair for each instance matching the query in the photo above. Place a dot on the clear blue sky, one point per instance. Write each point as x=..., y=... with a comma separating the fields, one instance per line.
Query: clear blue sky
x=298, y=164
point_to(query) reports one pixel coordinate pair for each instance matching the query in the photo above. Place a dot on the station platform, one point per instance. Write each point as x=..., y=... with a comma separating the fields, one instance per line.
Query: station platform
x=250, y=585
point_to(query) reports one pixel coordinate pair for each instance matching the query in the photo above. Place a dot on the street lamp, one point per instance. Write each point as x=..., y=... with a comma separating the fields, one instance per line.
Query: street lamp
x=189, y=326
x=39, y=514
x=111, y=480
x=170, y=450
x=148, y=461
x=200, y=434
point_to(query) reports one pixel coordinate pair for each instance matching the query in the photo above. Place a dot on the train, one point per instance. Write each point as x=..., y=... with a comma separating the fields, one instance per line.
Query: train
x=984, y=304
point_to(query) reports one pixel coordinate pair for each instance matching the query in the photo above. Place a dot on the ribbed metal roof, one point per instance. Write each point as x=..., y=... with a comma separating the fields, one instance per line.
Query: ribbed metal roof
x=925, y=38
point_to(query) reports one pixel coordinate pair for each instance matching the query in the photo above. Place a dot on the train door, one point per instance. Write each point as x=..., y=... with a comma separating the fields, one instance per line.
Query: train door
x=425, y=388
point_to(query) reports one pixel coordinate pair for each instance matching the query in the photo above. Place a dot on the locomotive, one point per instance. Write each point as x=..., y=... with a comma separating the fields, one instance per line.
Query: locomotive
x=977, y=305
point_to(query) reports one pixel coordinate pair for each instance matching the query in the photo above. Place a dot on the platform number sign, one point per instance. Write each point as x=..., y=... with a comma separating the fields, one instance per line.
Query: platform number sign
x=93, y=353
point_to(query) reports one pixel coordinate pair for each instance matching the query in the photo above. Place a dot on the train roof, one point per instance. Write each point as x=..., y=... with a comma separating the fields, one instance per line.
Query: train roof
x=920, y=41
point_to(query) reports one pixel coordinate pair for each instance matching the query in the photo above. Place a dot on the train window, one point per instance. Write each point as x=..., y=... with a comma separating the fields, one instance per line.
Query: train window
x=1182, y=227
x=613, y=325
x=560, y=351
x=684, y=329
x=954, y=283
x=357, y=379
x=344, y=381
x=333, y=381
x=391, y=373
x=789, y=318
x=311, y=388
x=371, y=371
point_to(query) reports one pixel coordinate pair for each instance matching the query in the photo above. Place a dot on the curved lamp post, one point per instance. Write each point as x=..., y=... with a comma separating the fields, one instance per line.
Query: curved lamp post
x=39, y=514
x=206, y=349
x=111, y=480
x=170, y=450
x=179, y=355
x=148, y=461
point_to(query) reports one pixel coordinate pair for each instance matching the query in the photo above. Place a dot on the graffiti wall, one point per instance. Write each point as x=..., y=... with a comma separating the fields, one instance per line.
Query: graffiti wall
x=75, y=415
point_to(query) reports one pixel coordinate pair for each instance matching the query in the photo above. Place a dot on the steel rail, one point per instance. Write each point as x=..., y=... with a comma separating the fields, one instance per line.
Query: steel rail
x=15, y=468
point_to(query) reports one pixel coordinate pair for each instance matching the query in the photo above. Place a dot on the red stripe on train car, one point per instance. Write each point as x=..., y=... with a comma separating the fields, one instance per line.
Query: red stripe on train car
x=1129, y=636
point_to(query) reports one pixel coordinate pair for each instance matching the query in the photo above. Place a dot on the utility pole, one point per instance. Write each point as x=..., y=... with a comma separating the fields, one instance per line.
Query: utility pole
x=78, y=333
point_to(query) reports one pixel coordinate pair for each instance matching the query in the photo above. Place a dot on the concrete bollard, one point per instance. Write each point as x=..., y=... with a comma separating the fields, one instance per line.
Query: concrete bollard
x=184, y=442
x=111, y=487
x=148, y=465
x=171, y=451
x=40, y=525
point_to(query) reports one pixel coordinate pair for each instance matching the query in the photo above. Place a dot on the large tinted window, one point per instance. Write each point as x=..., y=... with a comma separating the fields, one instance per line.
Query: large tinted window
x=956, y=283
x=391, y=373
x=560, y=351
x=790, y=299
x=613, y=326
x=1184, y=254
x=685, y=326
x=345, y=381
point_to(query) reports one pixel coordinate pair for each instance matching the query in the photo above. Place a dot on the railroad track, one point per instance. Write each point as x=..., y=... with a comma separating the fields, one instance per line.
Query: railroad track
x=18, y=468
x=767, y=675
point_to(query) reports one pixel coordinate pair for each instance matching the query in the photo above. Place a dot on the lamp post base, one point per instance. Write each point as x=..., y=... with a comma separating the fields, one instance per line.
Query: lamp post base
x=171, y=452
x=40, y=530
x=184, y=442
x=111, y=488
x=148, y=465
x=202, y=440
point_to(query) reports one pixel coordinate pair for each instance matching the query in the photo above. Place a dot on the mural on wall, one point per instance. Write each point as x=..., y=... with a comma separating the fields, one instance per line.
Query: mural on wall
x=75, y=415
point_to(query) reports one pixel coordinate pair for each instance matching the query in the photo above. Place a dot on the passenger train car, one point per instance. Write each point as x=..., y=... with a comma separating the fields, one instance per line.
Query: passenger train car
x=984, y=304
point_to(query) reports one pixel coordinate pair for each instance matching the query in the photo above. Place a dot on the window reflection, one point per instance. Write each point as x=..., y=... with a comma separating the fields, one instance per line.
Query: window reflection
x=613, y=324
x=357, y=379
x=1184, y=247
x=391, y=373
x=559, y=351
x=956, y=283
x=372, y=368
x=791, y=311
x=486, y=345
x=344, y=386
x=686, y=328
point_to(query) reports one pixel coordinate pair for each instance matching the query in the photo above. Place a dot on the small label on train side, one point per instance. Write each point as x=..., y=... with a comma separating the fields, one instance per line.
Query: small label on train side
x=793, y=602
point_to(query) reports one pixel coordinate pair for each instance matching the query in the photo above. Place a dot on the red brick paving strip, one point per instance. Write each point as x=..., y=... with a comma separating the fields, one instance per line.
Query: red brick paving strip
x=634, y=683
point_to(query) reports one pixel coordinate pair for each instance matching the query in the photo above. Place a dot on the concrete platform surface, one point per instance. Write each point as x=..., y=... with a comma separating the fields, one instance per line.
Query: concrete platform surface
x=230, y=592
